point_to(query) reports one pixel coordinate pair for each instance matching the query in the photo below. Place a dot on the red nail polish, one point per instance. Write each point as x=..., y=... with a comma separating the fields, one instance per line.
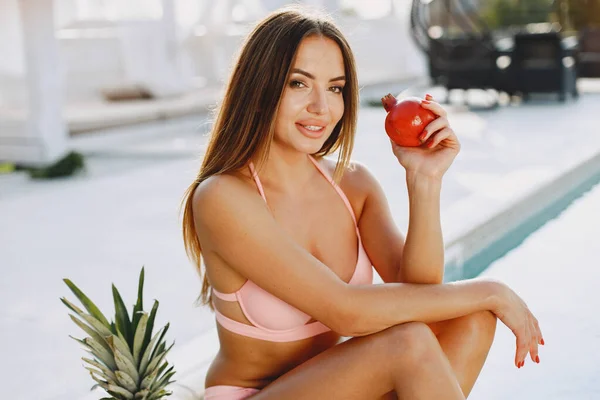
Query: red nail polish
x=537, y=359
x=542, y=342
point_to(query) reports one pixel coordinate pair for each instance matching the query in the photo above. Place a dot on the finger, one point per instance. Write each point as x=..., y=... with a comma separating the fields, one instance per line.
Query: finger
x=539, y=332
x=533, y=346
x=432, y=127
x=522, y=349
x=439, y=137
x=434, y=107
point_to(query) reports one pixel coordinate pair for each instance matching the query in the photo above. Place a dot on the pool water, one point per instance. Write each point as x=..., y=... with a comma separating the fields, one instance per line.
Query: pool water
x=556, y=270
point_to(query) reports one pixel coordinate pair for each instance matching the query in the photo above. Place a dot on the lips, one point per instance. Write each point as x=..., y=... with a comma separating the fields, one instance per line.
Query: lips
x=311, y=130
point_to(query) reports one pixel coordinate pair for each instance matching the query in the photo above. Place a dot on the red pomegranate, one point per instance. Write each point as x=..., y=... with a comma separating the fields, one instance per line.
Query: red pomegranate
x=406, y=120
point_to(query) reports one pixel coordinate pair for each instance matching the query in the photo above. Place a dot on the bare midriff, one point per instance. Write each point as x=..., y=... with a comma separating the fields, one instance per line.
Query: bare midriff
x=254, y=363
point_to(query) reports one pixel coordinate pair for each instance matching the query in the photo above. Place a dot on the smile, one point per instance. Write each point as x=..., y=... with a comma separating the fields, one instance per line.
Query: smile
x=311, y=131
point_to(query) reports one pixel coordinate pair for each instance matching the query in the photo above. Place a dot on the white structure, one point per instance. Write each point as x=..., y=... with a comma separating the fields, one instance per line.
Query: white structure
x=32, y=128
x=176, y=47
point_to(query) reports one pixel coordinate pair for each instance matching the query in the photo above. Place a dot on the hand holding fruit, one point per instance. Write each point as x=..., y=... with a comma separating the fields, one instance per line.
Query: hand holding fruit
x=421, y=136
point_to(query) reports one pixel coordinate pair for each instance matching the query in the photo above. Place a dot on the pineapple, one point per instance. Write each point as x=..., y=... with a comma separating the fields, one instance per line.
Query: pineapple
x=128, y=361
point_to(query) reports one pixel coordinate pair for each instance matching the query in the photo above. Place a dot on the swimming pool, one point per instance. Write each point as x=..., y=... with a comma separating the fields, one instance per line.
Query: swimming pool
x=556, y=269
x=513, y=226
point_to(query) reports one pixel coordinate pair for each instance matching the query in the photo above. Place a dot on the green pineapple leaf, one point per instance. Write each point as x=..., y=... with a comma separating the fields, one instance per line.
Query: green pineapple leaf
x=164, y=379
x=102, y=375
x=117, y=344
x=93, y=322
x=119, y=391
x=158, y=359
x=126, y=381
x=139, y=305
x=160, y=343
x=107, y=371
x=128, y=359
x=94, y=334
x=101, y=353
x=138, y=339
x=150, y=326
x=122, y=316
x=101, y=383
x=146, y=357
x=125, y=365
x=87, y=303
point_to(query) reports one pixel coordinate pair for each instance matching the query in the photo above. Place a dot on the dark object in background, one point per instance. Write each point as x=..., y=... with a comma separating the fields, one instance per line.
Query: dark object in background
x=588, y=64
x=66, y=166
x=126, y=93
x=463, y=63
x=539, y=65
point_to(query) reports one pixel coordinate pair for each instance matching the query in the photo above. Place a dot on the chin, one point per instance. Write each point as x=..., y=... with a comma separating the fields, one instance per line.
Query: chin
x=310, y=146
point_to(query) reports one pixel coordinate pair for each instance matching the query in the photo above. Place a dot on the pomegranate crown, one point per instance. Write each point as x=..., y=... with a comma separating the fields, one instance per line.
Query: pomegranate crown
x=388, y=101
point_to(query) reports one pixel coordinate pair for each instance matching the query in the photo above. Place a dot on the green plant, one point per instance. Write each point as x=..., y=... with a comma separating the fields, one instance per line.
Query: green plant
x=66, y=166
x=128, y=361
x=505, y=13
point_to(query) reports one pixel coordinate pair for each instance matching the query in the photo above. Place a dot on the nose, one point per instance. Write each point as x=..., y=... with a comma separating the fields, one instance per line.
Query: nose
x=318, y=102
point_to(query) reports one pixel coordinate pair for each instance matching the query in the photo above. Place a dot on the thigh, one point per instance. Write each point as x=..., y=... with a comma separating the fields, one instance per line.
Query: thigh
x=358, y=369
x=466, y=342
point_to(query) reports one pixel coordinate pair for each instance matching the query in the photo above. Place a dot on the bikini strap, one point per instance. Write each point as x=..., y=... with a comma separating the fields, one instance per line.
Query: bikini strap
x=258, y=184
x=336, y=187
x=225, y=296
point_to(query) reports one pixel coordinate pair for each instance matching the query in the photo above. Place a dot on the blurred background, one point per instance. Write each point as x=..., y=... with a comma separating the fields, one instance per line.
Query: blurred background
x=105, y=110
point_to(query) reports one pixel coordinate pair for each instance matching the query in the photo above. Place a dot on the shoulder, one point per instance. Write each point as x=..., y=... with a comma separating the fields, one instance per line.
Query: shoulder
x=357, y=176
x=358, y=183
x=219, y=193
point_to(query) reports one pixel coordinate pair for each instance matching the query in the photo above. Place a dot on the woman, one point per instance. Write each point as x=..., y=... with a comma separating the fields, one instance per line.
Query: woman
x=289, y=239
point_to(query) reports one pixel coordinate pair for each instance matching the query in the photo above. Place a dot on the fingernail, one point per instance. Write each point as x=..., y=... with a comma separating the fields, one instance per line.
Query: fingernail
x=430, y=145
x=537, y=359
x=429, y=96
x=542, y=342
x=425, y=102
x=423, y=135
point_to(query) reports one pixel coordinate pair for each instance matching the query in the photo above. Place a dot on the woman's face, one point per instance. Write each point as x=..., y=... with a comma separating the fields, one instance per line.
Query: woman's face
x=312, y=102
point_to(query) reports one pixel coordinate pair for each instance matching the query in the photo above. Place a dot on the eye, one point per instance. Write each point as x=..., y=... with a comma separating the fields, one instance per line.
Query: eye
x=337, y=89
x=297, y=84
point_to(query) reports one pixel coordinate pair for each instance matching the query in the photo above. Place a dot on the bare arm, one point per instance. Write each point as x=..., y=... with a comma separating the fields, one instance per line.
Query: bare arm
x=377, y=307
x=234, y=224
x=419, y=258
x=423, y=257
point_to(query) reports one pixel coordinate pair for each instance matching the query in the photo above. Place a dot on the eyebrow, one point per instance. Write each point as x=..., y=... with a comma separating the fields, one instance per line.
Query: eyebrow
x=311, y=76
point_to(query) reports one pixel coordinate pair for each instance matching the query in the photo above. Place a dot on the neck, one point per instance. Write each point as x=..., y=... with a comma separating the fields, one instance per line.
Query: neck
x=287, y=171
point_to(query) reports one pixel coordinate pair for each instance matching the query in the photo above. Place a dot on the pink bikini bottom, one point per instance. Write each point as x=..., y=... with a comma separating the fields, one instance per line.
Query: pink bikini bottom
x=224, y=392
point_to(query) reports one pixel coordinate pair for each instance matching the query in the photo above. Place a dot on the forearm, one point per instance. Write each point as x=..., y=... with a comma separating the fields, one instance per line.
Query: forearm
x=423, y=255
x=372, y=308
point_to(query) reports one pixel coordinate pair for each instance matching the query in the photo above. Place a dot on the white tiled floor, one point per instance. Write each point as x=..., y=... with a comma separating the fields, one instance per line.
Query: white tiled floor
x=556, y=270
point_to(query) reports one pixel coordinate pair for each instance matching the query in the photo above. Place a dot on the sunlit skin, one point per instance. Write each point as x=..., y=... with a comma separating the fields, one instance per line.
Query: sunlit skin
x=424, y=360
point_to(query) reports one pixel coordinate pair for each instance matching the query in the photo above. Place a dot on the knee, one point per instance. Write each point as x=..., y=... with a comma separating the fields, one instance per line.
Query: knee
x=479, y=326
x=413, y=342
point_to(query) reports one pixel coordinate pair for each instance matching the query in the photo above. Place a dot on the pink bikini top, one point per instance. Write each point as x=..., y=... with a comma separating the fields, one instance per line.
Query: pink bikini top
x=273, y=319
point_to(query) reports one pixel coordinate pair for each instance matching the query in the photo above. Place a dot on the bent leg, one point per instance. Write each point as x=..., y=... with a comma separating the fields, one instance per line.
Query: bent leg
x=406, y=359
x=466, y=342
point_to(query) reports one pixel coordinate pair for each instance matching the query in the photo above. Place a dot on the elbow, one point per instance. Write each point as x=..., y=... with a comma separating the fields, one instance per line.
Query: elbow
x=347, y=318
x=346, y=325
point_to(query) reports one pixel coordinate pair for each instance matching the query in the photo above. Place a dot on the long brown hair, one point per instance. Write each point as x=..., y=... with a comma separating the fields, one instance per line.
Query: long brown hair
x=244, y=124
